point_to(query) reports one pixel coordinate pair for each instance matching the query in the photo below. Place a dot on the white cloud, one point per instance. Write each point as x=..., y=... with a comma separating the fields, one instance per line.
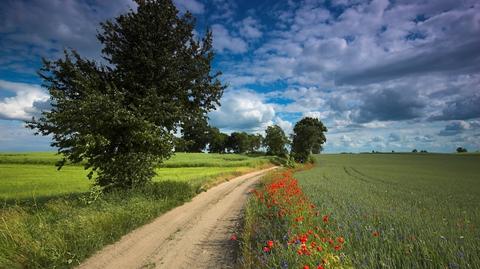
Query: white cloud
x=21, y=106
x=243, y=110
x=191, y=5
x=250, y=28
x=223, y=40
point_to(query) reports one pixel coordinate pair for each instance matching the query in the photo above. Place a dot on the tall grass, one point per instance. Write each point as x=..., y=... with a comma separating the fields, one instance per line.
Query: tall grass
x=63, y=232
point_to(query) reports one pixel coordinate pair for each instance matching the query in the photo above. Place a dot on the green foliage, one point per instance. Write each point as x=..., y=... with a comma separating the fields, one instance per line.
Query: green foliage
x=308, y=137
x=401, y=210
x=196, y=134
x=217, y=141
x=275, y=141
x=241, y=142
x=461, y=150
x=120, y=118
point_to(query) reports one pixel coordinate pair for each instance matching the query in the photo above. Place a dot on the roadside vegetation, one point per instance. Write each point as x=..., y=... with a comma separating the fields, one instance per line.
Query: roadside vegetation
x=54, y=219
x=284, y=229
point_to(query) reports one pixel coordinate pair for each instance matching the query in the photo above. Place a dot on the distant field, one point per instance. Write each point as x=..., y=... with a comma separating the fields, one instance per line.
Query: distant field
x=401, y=210
x=33, y=175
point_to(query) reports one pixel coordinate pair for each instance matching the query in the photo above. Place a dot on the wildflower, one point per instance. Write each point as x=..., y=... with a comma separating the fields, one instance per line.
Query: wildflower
x=375, y=234
x=320, y=267
x=233, y=237
x=337, y=247
x=341, y=240
x=266, y=249
x=270, y=243
x=325, y=218
x=306, y=267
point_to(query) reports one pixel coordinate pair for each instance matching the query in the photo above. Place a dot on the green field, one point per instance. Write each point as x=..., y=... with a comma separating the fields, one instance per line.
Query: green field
x=52, y=219
x=33, y=175
x=424, y=207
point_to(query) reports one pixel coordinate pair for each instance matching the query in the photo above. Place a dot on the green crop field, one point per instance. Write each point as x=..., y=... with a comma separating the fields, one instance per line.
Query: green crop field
x=401, y=210
x=33, y=175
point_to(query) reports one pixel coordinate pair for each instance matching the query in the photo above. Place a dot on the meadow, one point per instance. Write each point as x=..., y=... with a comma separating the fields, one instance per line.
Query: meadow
x=401, y=210
x=34, y=175
x=54, y=219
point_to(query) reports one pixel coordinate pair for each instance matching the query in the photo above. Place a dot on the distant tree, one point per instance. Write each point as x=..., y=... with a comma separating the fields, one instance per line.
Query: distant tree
x=308, y=135
x=275, y=141
x=120, y=117
x=196, y=133
x=238, y=142
x=461, y=150
x=254, y=142
x=180, y=144
x=217, y=141
x=423, y=151
x=414, y=150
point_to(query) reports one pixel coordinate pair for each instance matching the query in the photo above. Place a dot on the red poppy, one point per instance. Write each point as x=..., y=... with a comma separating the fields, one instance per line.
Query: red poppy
x=341, y=240
x=233, y=237
x=375, y=234
x=306, y=267
x=266, y=249
x=270, y=243
x=337, y=247
x=325, y=218
x=320, y=267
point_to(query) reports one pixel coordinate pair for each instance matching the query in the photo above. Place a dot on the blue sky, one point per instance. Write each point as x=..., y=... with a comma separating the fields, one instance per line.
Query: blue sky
x=382, y=75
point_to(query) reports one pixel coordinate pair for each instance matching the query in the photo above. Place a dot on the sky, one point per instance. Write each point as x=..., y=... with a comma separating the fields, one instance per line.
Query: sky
x=381, y=75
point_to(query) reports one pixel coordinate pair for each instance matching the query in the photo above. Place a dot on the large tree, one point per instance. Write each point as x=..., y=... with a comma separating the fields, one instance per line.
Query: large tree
x=120, y=117
x=275, y=141
x=308, y=137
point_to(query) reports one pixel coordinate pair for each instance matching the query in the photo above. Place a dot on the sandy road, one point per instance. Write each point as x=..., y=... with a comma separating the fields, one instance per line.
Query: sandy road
x=194, y=235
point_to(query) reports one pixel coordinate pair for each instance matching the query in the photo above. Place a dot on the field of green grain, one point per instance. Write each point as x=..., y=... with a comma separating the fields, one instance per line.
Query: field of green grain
x=401, y=210
x=34, y=175
x=53, y=219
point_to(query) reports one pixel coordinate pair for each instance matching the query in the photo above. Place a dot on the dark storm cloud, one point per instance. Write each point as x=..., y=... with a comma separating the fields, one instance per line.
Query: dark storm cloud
x=454, y=128
x=389, y=105
x=464, y=58
x=463, y=108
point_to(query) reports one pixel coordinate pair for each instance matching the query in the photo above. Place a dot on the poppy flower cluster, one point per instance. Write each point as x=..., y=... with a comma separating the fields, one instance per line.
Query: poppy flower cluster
x=289, y=230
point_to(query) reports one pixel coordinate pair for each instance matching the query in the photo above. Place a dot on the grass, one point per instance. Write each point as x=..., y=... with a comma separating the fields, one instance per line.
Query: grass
x=34, y=176
x=53, y=219
x=401, y=210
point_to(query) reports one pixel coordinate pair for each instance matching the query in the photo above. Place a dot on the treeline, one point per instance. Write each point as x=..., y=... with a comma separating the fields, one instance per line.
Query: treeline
x=308, y=137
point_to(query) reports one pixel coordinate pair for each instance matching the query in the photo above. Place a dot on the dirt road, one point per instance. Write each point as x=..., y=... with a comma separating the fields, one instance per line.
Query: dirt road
x=194, y=235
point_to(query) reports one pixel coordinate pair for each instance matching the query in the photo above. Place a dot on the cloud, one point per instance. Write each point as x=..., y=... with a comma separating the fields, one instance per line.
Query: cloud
x=193, y=6
x=250, y=28
x=463, y=108
x=33, y=29
x=243, y=110
x=389, y=105
x=27, y=101
x=454, y=128
x=224, y=41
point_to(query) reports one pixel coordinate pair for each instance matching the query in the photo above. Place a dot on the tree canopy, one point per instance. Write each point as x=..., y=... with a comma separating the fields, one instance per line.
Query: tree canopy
x=308, y=137
x=275, y=141
x=120, y=117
